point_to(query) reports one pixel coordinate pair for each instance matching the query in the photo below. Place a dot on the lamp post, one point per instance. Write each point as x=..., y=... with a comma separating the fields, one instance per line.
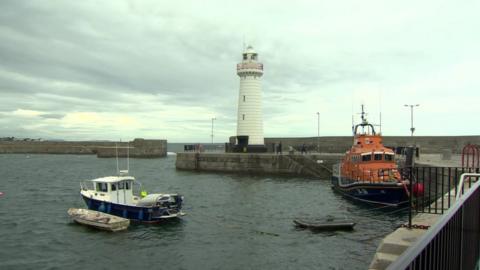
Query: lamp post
x=213, y=119
x=412, y=129
x=318, y=132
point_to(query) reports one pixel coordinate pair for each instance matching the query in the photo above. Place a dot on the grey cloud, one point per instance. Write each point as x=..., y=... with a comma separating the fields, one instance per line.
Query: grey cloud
x=52, y=116
x=125, y=56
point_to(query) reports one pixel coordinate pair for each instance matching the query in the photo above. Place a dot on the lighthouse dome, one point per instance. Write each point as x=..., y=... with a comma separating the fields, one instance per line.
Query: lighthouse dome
x=249, y=49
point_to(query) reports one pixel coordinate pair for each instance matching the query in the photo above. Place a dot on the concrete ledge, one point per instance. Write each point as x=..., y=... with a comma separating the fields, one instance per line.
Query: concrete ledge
x=295, y=164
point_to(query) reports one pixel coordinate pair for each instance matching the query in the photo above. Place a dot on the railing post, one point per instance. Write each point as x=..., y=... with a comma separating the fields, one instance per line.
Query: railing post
x=410, y=199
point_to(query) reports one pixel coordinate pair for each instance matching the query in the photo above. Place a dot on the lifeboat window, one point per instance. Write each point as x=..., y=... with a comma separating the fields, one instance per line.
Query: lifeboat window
x=378, y=157
x=366, y=157
x=102, y=187
x=389, y=157
x=114, y=187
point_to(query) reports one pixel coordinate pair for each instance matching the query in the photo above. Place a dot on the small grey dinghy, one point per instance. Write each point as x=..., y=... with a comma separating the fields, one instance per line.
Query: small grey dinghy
x=325, y=224
x=98, y=220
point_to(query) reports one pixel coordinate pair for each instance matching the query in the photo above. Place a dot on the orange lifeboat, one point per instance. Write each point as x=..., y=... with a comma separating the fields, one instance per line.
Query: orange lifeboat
x=368, y=171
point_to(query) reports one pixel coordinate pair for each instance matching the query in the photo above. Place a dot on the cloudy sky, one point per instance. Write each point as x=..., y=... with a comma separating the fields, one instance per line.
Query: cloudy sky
x=112, y=70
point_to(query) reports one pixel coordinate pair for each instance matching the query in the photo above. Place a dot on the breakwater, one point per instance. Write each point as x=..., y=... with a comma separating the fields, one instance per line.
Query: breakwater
x=138, y=148
x=316, y=165
x=340, y=144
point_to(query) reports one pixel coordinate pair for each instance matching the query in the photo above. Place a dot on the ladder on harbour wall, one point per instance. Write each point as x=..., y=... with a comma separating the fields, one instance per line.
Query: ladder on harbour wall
x=305, y=165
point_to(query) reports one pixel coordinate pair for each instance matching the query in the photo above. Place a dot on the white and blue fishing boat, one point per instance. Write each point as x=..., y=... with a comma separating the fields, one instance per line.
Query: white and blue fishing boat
x=115, y=195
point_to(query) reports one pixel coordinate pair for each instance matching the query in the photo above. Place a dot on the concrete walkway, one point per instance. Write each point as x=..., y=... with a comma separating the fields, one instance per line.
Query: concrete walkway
x=394, y=244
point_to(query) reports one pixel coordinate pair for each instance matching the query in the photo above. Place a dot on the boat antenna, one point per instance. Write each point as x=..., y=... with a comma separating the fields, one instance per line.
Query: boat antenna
x=116, y=156
x=380, y=122
x=380, y=105
x=353, y=127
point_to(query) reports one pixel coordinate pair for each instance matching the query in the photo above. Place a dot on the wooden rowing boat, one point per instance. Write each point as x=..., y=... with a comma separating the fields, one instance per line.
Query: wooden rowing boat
x=98, y=220
x=328, y=224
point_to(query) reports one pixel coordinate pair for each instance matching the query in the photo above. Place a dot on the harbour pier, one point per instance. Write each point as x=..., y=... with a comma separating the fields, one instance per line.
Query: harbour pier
x=316, y=165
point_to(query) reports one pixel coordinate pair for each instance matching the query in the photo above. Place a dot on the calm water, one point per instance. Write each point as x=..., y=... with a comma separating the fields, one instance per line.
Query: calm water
x=232, y=222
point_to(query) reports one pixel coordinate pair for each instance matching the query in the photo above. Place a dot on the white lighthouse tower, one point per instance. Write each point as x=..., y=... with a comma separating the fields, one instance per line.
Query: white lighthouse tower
x=249, y=117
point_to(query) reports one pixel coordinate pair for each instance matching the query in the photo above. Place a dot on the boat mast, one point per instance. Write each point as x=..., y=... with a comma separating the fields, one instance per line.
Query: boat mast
x=364, y=121
x=116, y=156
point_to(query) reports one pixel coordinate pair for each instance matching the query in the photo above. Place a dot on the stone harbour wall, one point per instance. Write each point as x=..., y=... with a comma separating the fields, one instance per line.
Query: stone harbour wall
x=340, y=144
x=318, y=165
x=138, y=148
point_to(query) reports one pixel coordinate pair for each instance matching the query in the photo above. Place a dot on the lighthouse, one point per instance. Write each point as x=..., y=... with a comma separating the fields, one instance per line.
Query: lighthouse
x=249, y=115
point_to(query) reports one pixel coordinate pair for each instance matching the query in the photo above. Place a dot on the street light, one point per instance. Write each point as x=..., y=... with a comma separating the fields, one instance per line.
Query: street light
x=412, y=129
x=318, y=132
x=212, y=127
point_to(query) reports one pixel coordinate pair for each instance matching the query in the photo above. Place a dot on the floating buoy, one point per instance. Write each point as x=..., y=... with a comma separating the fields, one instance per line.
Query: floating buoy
x=1, y=193
x=418, y=189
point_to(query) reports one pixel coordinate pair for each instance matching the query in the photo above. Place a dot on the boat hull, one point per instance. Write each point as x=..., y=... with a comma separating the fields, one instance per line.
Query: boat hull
x=383, y=193
x=135, y=213
x=326, y=225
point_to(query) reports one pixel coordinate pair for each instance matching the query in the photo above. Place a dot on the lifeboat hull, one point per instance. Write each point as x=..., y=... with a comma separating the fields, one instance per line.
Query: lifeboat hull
x=383, y=193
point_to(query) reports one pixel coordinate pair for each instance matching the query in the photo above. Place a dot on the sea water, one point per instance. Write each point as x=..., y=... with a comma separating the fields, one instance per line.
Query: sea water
x=233, y=221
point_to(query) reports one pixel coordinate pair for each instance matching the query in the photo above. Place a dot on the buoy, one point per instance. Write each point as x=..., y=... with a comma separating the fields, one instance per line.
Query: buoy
x=418, y=189
x=1, y=193
x=143, y=194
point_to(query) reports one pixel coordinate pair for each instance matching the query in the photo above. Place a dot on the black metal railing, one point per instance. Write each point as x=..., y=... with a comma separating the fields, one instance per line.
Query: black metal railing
x=434, y=188
x=453, y=242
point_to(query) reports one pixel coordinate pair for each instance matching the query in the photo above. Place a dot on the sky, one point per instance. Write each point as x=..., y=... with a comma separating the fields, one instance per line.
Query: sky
x=110, y=70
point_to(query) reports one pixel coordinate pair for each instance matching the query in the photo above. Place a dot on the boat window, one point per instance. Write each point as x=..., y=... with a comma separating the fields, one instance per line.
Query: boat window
x=127, y=185
x=388, y=157
x=366, y=157
x=120, y=185
x=377, y=157
x=102, y=187
x=114, y=187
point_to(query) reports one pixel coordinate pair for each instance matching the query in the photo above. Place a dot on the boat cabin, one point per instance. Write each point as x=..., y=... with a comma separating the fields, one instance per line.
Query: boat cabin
x=368, y=159
x=116, y=189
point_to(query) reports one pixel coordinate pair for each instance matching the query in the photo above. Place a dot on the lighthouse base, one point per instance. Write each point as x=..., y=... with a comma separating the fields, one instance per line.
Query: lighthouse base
x=239, y=144
x=238, y=148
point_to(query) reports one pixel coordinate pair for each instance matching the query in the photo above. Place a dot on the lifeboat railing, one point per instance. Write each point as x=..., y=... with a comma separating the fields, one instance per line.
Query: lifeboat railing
x=381, y=175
